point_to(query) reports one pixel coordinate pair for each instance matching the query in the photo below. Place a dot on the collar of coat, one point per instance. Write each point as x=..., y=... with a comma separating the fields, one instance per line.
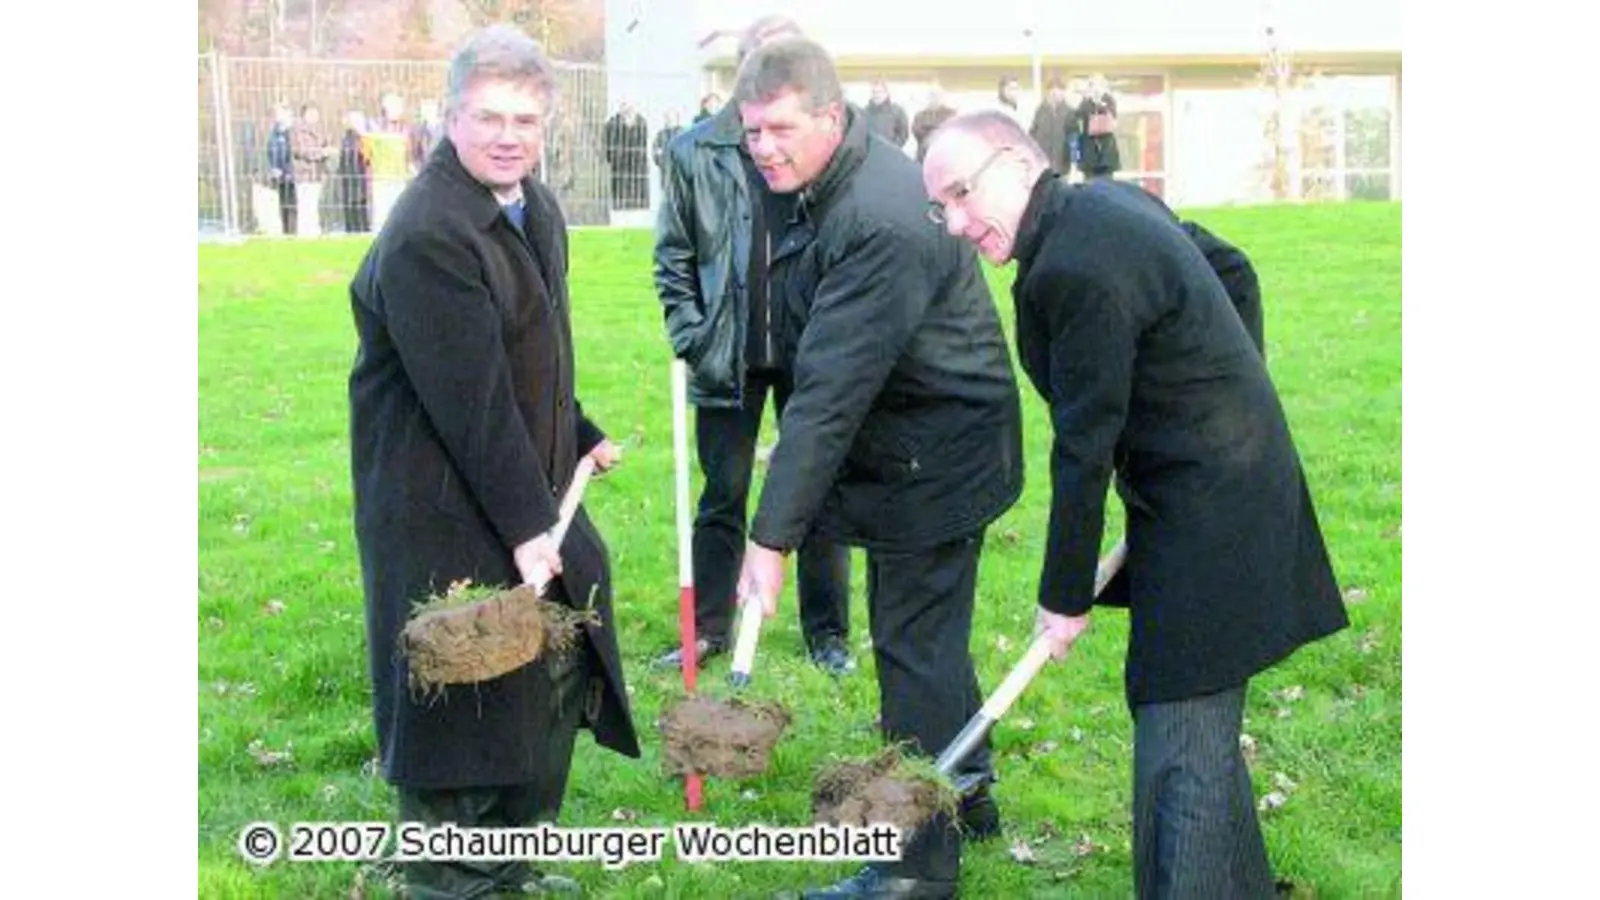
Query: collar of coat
x=1038, y=215
x=479, y=202
x=725, y=129
x=847, y=158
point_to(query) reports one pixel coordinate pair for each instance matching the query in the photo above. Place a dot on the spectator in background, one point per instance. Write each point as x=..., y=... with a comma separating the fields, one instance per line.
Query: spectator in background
x=1097, y=114
x=311, y=150
x=1077, y=89
x=1006, y=95
x=625, y=140
x=669, y=130
x=280, y=166
x=425, y=134
x=886, y=117
x=354, y=169
x=709, y=104
x=930, y=117
x=387, y=144
x=1055, y=127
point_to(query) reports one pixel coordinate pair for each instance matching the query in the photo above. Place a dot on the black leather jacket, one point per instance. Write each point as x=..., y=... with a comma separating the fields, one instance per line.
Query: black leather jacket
x=703, y=234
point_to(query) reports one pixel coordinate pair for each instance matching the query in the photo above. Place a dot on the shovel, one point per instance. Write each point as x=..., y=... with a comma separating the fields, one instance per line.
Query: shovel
x=703, y=736
x=751, y=612
x=732, y=737
x=979, y=726
x=693, y=786
x=483, y=639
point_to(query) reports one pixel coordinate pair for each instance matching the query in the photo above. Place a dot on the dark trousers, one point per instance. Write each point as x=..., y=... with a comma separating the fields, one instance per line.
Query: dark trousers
x=920, y=609
x=357, y=205
x=503, y=806
x=1195, y=832
x=725, y=439
x=287, y=207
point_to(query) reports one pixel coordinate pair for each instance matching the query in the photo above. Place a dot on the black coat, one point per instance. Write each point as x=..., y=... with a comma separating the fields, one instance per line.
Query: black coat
x=626, y=145
x=704, y=231
x=1054, y=125
x=1232, y=265
x=888, y=120
x=1100, y=155
x=904, y=428
x=464, y=433
x=1128, y=334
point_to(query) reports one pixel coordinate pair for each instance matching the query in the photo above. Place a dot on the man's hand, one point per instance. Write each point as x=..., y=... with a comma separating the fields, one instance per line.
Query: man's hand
x=606, y=455
x=1060, y=631
x=538, y=559
x=761, y=576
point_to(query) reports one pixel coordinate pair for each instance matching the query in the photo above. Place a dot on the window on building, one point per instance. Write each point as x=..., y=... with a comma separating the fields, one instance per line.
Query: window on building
x=1344, y=144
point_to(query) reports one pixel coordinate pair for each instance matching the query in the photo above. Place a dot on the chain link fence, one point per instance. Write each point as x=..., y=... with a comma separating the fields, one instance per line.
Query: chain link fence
x=364, y=128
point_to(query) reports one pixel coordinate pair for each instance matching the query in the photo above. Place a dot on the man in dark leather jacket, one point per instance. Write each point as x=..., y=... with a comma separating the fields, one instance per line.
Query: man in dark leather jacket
x=714, y=237
x=903, y=435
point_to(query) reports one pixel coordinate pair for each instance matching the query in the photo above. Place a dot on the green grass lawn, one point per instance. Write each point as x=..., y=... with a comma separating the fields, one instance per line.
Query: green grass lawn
x=284, y=729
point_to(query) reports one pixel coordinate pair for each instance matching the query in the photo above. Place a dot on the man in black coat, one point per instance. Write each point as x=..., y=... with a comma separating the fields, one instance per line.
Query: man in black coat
x=885, y=117
x=903, y=435
x=465, y=433
x=1127, y=332
x=1054, y=126
x=715, y=235
x=626, y=142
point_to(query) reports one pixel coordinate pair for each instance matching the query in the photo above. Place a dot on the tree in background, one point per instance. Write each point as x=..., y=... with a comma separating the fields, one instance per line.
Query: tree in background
x=385, y=29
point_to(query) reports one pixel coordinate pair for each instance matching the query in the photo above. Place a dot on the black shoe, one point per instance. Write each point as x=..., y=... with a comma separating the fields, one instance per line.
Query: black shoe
x=704, y=649
x=831, y=655
x=980, y=816
x=870, y=882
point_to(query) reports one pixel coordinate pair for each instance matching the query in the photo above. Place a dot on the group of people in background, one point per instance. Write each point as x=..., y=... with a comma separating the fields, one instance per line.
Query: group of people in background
x=356, y=174
x=310, y=179
x=1075, y=124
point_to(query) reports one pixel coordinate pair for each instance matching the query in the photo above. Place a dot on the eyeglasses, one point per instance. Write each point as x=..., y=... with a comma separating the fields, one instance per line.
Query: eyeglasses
x=486, y=125
x=958, y=190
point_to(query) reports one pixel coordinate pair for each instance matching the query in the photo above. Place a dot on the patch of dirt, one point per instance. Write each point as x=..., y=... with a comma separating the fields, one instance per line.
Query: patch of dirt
x=884, y=788
x=456, y=640
x=721, y=738
x=217, y=474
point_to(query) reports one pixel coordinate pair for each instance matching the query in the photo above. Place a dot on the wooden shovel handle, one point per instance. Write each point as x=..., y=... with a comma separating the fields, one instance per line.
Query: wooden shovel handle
x=752, y=611
x=1039, y=651
x=569, y=508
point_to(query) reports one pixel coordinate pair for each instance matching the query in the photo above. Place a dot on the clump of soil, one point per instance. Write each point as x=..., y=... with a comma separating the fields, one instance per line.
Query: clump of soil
x=475, y=634
x=721, y=738
x=883, y=788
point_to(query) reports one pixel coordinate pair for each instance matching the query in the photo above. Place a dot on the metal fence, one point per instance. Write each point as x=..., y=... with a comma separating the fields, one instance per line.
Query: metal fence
x=375, y=122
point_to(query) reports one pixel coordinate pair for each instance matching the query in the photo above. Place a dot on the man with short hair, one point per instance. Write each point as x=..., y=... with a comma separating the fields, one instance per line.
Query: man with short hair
x=903, y=435
x=465, y=433
x=1128, y=334
x=717, y=230
x=1054, y=124
x=885, y=117
x=936, y=113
